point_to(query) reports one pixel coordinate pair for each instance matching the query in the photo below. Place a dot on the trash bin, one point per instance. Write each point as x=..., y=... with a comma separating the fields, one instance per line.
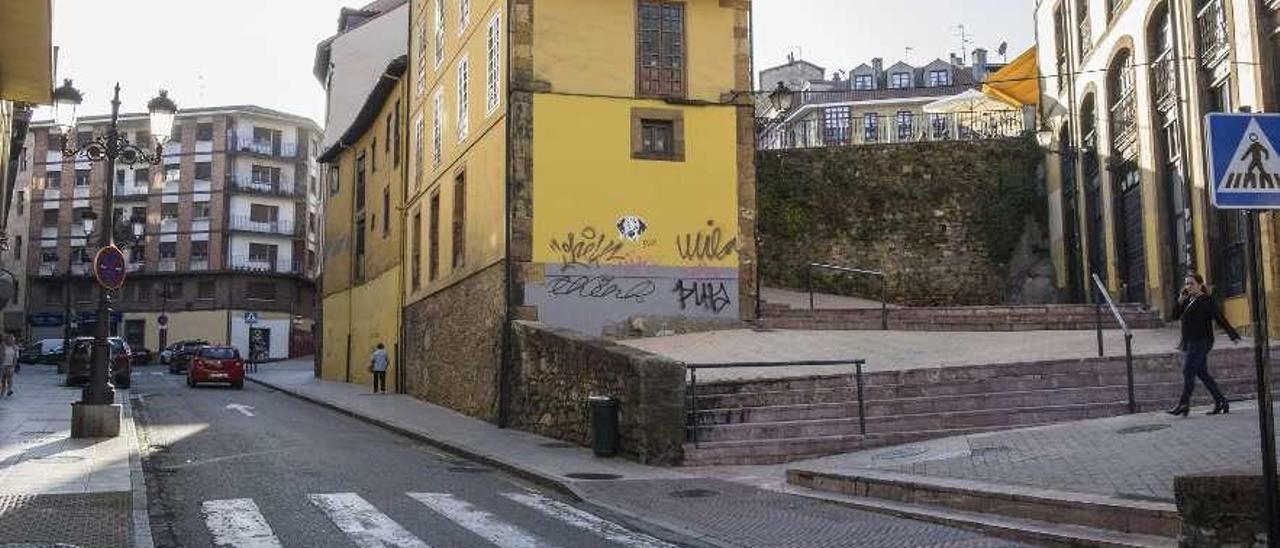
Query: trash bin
x=604, y=425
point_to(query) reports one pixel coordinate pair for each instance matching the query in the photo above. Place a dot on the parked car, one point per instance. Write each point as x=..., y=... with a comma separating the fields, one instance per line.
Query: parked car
x=180, y=354
x=141, y=356
x=120, y=360
x=216, y=364
x=42, y=351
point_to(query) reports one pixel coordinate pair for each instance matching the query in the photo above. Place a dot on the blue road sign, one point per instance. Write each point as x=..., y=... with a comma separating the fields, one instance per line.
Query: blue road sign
x=1244, y=164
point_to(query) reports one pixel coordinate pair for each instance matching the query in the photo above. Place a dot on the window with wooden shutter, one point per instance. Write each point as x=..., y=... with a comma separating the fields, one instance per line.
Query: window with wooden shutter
x=660, y=44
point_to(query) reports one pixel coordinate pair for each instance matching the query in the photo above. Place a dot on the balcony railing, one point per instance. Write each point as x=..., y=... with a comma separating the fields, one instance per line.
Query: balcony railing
x=1211, y=31
x=79, y=269
x=1086, y=37
x=249, y=184
x=266, y=265
x=246, y=224
x=167, y=264
x=265, y=148
x=46, y=269
x=1124, y=122
x=957, y=126
x=198, y=264
x=130, y=192
x=1164, y=78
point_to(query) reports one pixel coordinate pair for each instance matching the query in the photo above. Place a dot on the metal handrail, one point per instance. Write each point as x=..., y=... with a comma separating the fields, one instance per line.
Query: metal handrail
x=884, y=293
x=1124, y=326
x=693, y=384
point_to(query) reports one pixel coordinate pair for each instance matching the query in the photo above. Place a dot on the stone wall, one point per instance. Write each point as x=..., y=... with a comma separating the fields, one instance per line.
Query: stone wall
x=453, y=344
x=1220, y=510
x=944, y=220
x=556, y=370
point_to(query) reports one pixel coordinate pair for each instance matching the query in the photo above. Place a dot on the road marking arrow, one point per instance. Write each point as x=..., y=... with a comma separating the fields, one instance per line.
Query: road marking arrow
x=242, y=408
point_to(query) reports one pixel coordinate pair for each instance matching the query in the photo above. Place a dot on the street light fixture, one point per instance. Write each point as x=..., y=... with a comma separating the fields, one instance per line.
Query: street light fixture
x=87, y=221
x=782, y=98
x=96, y=414
x=139, y=226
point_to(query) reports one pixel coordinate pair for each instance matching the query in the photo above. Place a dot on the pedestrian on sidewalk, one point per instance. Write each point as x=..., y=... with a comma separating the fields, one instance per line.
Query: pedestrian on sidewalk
x=8, y=365
x=1198, y=311
x=378, y=365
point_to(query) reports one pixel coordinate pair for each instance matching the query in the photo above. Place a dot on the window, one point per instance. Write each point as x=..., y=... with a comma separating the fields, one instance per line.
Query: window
x=360, y=249
x=386, y=211
x=464, y=16
x=200, y=210
x=137, y=253
x=262, y=252
x=1085, y=33
x=17, y=246
x=419, y=153
x=396, y=137
x=48, y=255
x=900, y=80
x=204, y=171
x=439, y=32
x=50, y=217
x=119, y=177
x=169, y=211
x=260, y=291
x=168, y=250
x=939, y=124
x=373, y=154
x=660, y=59
x=83, y=138
x=200, y=250
x=415, y=259
x=386, y=143
x=260, y=213
x=143, y=294
x=22, y=160
x=906, y=125
x=493, y=65
x=22, y=201
x=206, y=291
x=657, y=134
x=464, y=98
x=204, y=131
x=53, y=179
x=862, y=82
x=939, y=78
x=53, y=141
x=437, y=128
x=79, y=255
x=460, y=220
x=335, y=180
x=433, y=238
x=871, y=127
x=837, y=127
x=359, y=190
x=142, y=176
x=172, y=172
x=422, y=57
x=264, y=175
x=82, y=177
x=656, y=137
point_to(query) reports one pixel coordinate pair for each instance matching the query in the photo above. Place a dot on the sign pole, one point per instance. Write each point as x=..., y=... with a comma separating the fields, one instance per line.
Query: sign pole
x=1266, y=417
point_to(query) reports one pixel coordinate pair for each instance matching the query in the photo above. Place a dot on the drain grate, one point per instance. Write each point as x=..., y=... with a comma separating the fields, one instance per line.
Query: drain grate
x=592, y=476
x=693, y=494
x=902, y=452
x=1141, y=429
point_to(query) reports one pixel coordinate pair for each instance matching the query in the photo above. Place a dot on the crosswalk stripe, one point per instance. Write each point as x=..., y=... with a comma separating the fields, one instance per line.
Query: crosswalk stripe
x=237, y=523
x=364, y=524
x=585, y=520
x=478, y=521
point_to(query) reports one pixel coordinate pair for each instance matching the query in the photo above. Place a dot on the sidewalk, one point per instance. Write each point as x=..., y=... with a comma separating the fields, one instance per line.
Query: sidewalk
x=57, y=489
x=702, y=511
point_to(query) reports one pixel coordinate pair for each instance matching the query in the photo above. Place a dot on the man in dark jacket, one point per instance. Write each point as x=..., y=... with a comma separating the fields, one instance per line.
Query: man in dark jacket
x=1198, y=312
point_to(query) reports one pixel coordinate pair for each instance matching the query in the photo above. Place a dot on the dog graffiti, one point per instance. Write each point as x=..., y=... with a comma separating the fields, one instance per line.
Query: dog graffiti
x=587, y=247
x=705, y=245
x=708, y=295
x=600, y=287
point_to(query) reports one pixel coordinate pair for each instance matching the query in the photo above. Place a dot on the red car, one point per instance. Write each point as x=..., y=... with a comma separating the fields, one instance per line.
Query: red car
x=216, y=364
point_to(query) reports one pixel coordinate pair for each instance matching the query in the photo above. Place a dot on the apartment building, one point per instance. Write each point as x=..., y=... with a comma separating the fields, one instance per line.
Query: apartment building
x=230, y=225
x=17, y=228
x=1127, y=86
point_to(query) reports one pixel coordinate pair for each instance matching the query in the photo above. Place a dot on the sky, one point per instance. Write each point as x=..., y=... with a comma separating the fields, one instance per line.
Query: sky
x=223, y=52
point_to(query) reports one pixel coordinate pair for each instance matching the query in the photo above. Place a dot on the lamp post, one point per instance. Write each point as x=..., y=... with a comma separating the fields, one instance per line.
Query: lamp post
x=96, y=414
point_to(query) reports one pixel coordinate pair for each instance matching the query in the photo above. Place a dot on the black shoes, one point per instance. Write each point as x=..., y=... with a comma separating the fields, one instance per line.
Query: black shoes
x=1220, y=408
x=1181, y=409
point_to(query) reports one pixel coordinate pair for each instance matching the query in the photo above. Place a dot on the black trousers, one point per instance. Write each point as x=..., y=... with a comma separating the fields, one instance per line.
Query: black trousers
x=379, y=380
x=1195, y=363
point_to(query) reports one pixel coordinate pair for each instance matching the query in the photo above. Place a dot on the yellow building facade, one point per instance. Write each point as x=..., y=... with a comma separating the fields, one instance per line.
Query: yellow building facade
x=363, y=231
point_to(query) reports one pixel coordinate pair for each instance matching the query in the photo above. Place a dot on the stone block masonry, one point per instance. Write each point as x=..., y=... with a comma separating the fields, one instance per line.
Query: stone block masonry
x=556, y=370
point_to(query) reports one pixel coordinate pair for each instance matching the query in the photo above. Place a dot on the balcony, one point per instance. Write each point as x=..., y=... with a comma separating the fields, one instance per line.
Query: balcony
x=167, y=264
x=263, y=148
x=79, y=269
x=46, y=269
x=956, y=126
x=246, y=224
x=133, y=267
x=1124, y=123
x=1164, y=79
x=1211, y=33
x=130, y=192
x=249, y=184
x=198, y=263
x=264, y=265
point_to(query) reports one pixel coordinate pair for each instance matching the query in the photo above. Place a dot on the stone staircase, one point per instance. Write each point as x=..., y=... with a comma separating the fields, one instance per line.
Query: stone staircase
x=961, y=318
x=781, y=420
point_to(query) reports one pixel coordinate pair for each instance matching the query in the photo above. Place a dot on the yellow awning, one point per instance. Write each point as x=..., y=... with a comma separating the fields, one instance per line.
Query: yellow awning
x=26, y=51
x=1018, y=83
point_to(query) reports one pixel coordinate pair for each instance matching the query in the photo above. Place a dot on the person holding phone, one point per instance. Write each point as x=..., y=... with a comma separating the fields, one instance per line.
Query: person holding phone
x=1198, y=312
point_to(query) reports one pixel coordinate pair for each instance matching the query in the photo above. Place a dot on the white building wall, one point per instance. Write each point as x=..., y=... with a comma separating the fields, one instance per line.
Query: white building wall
x=240, y=206
x=279, y=347
x=357, y=58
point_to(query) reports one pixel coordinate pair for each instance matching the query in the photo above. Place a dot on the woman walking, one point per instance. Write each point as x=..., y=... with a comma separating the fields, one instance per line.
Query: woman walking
x=1198, y=310
x=8, y=365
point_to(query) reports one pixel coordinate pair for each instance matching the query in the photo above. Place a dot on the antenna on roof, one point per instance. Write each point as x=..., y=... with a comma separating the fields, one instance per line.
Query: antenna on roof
x=965, y=40
x=1003, y=50
x=906, y=53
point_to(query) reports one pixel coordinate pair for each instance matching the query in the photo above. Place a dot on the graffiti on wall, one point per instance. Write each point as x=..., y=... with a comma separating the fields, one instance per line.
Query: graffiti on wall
x=708, y=295
x=587, y=247
x=706, y=245
x=600, y=286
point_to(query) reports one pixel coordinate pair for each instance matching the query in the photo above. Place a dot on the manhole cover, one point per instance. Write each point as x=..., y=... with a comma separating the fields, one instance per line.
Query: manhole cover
x=693, y=493
x=592, y=476
x=59, y=459
x=1141, y=428
x=468, y=469
x=902, y=452
x=558, y=445
x=985, y=451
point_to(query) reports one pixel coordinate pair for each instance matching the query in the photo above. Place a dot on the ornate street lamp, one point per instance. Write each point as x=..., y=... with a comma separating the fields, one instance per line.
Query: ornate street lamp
x=96, y=414
x=782, y=98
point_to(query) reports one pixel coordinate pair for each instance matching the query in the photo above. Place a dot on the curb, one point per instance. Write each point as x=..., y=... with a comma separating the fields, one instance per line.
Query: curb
x=141, y=519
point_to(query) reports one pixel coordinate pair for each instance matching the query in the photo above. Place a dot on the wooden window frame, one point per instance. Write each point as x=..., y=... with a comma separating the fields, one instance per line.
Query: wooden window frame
x=676, y=117
x=458, y=226
x=684, y=40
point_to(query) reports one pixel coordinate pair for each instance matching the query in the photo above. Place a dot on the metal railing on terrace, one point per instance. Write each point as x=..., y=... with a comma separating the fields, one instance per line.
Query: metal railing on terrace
x=131, y=191
x=246, y=224
x=265, y=148
x=265, y=265
x=249, y=184
x=815, y=132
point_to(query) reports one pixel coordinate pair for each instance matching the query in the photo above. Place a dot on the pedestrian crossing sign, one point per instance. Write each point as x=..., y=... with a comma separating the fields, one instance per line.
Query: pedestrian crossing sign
x=1244, y=163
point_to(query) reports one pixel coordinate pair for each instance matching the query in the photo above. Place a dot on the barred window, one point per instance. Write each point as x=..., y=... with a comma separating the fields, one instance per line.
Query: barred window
x=464, y=98
x=437, y=129
x=493, y=74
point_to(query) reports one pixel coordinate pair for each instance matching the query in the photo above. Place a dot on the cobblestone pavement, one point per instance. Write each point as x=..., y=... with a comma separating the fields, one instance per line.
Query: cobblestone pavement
x=1136, y=456
x=738, y=515
x=891, y=350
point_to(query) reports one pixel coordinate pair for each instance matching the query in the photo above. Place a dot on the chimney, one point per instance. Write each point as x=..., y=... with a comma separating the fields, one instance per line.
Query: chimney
x=956, y=60
x=979, y=64
x=877, y=72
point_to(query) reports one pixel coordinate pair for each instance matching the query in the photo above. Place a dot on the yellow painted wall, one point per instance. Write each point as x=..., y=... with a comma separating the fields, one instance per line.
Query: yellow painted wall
x=338, y=245
x=370, y=314
x=585, y=177
x=590, y=47
x=210, y=325
x=336, y=327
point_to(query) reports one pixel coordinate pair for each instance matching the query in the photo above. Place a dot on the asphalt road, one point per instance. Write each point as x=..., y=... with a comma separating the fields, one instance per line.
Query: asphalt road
x=255, y=468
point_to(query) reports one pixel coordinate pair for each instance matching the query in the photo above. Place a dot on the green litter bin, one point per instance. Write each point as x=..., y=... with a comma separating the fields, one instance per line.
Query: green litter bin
x=604, y=425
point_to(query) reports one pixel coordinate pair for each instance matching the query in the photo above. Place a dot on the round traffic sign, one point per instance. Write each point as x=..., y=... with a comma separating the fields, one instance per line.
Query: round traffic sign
x=109, y=267
x=162, y=320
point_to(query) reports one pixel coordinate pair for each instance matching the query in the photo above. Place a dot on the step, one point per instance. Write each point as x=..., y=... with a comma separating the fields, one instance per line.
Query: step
x=777, y=413
x=1110, y=513
x=1020, y=530
x=779, y=430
